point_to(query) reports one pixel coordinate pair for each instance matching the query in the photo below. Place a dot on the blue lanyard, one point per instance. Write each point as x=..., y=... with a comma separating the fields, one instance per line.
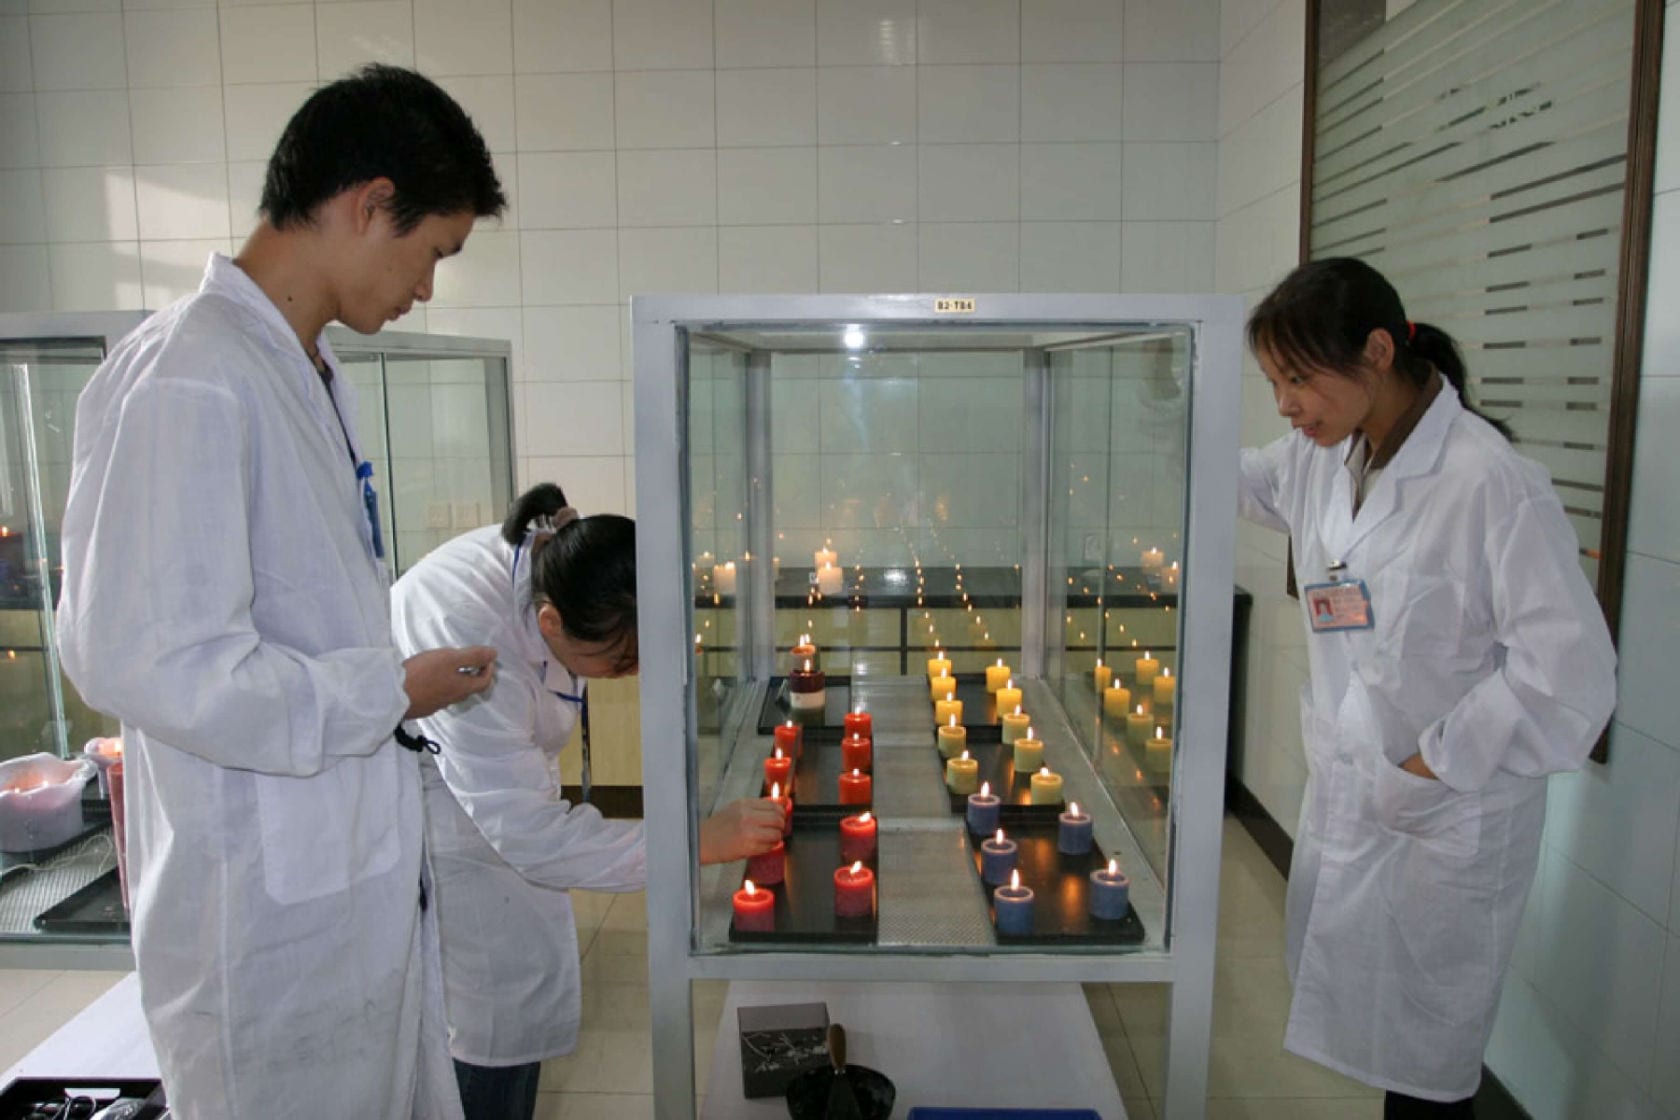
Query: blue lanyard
x=370, y=502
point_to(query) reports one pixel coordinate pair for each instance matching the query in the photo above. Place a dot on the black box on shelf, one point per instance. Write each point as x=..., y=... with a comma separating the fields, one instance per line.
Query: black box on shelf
x=778, y=1043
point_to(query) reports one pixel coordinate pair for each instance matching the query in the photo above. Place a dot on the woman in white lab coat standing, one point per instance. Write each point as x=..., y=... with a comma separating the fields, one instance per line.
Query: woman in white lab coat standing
x=555, y=594
x=1457, y=656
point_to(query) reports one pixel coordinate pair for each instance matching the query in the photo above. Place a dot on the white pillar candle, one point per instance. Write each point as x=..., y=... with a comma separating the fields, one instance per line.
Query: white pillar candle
x=723, y=578
x=828, y=579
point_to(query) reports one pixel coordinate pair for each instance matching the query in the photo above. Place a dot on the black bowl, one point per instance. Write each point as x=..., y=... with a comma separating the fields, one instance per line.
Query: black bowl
x=807, y=1094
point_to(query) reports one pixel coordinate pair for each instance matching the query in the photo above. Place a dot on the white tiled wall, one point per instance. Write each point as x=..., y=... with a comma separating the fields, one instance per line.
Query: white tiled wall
x=648, y=145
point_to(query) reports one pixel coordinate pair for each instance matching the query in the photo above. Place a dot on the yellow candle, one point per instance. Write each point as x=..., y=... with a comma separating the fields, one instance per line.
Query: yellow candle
x=938, y=665
x=1137, y=726
x=1117, y=701
x=953, y=739
x=1015, y=725
x=1157, y=751
x=1152, y=559
x=997, y=675
x=1101, y=675
x=828, y=579
x=1147, y=667
x=947, y=711
x=1008, y=697
x=1046, y=787
x=962, y=774
x=1164, y=687
x=1029, y=753
x=942, y=688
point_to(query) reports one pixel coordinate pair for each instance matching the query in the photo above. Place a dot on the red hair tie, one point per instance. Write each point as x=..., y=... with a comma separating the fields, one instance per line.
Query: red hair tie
x=1411, y=331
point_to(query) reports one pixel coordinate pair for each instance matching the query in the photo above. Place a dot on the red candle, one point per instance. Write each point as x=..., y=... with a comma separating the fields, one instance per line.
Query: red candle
x=769, y=867
x=854, y=891
x=778, y=768
x=791, y=738
x=755, y=910
x=857, y=836
x=855, y=788
x=787, y=808
x=859, y=723
x=855, y=752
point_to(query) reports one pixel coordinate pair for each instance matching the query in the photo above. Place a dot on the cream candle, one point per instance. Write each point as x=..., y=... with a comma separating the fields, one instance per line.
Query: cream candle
x=723, y=578
x=1152, y=561
x=1163, y=688
x=1015, y=725
x=944, y=711
x=943, y=688
x=829, y=579
x=1100, y=676
x=1008, y=697
x=1157, y=751
x=1116, y=700
x=1029, y=753
x=805, y=650
x=1169, y=577
x=953, y=738
x=997, y=675
x=1145, y=669
x=1046, y=787
x=1137, y=726
x=825, y=555
x=962, y=774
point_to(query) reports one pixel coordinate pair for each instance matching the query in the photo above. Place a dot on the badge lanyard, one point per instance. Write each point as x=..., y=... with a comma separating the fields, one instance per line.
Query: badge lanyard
x=581, y=699
x=364, y=469
x=1339, y=603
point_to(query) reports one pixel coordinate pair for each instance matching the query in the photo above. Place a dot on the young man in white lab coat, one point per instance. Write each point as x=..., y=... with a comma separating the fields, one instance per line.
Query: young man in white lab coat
x=225, y=597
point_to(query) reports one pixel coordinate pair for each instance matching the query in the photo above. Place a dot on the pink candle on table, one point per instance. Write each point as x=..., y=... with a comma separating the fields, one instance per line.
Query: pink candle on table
x=768, y=867
x=854, y=891
x=778, y=769
x=857, y=836
x=755, y=909
x=855, y=788
x=855, y=752
x=858, y=723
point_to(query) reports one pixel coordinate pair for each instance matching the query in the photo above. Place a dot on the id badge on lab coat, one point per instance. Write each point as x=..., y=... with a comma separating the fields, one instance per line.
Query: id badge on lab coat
x=1340, y=605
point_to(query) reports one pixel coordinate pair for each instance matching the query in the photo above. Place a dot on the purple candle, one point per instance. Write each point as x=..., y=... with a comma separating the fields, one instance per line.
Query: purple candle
x=1110, y=892
x=1013, y=906
x=997, y=858
x=1073, y=834
x=983, y=810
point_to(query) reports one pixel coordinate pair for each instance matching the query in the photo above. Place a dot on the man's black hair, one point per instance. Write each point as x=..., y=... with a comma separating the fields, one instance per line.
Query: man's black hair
x=382, y=121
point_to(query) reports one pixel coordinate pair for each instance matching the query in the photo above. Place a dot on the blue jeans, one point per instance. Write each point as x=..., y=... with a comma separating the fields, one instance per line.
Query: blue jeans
x=498, y=1092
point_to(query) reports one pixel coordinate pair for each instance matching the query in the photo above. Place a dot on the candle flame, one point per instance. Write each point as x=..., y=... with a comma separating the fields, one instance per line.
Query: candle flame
x=1029, y=731
x=1115, y=685
x=1015, y=880
x=1146, y=655
x=965, y=756
x=1000, y=663
x=1011, y=683
x=999, y=837
x=750, y=889
x=857, y=867
x=1017, y=709
x=1073, y=808
x=856, y=772
x=1167, y=672
x=789, y=723
x=1045, y=770
x=864, y=817
x=1099, y=663
x=775, y=790
x=953, y=719
x=1158, y=733
x=807, y=666
x=804, y=639
x=779, y=752
x=729, y=566
x=985, y=789
x=1140, y=709
x=1114, y=867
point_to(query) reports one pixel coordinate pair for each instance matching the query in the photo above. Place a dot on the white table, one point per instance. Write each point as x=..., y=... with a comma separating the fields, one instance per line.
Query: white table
x=950, y=1045
x=106, y=1039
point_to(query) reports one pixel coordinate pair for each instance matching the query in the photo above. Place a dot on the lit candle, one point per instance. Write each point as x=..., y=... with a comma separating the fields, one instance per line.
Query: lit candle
x=953, y=738
x=857, y=837
x=859, y=722
x=723, y=578
x=855, y=752
x=778, y=768
x=805, y=650
x=1157, y=752
x=998, y=856
x=984, y=809
x=1169, y=577
x=791, y=738
x=1029, y=753
x=944, y=711
x=824, y=555
x=1101, y=675
x=1073, y=831
x=1008, y=697
x=854, y=891
x=855, y=788
x=807, y=689
x=997, y=675
x=1164, y=687
x=1151, y=560
x=1117, y=700
x=828, y=579
x=1013, y=906
x=1015, y=725
x=1110, y=893
x=1146, y=668
x=768, y=867
x=787, y=807
x=755, y=910
x=962, y=774
x=1046, y=787
x=105, y=753
x=1138, y=724
x=942, y=688
x=938, y=665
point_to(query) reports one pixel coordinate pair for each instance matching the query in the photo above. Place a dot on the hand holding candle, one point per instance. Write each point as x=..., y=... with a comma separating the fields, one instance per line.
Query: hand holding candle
x=787, y=807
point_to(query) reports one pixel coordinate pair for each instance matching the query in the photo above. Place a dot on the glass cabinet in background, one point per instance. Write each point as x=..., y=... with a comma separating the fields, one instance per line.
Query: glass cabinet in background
x=434, y=420
x=848, y=505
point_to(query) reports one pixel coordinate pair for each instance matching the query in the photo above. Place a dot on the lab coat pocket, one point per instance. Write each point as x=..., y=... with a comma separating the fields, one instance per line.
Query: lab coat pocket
x=323, y=834
x=1426, y=810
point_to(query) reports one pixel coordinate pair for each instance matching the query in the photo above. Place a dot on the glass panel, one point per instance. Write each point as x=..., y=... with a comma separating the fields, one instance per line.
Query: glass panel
x=894, y=469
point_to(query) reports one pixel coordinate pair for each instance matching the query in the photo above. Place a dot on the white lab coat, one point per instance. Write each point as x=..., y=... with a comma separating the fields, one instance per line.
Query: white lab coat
x=504, y=846
x=221, y=598
x=1490, y=656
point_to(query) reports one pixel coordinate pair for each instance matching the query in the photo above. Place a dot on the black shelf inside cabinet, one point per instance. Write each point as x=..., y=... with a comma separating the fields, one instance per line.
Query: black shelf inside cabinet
x=96, y=908
x=816, y=780
x=997, y=766
x=824, y=725
x=805, y=896
x=1061, y=887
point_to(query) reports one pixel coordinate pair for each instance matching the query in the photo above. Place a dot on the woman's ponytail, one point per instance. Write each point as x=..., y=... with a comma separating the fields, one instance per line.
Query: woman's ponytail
x=1436, y=347
x=542, y=500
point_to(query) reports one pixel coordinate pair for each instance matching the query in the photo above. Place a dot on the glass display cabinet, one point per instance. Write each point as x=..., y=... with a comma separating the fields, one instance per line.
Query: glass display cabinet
x=434, y=420
x=857, y=504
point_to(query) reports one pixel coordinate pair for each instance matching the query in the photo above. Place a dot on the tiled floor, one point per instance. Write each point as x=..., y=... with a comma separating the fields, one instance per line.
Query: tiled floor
x=610, y=1076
